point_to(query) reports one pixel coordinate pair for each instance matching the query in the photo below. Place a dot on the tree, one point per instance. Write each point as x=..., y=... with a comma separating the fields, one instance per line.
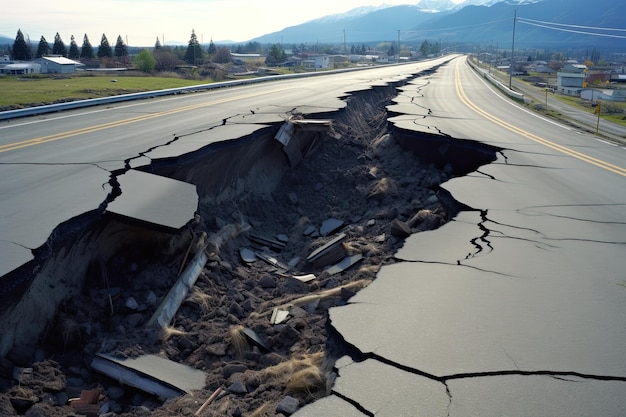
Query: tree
x=144, y=61
x=212, y=49
x=21, y=50
x=276, y=55
x=194, y=52
x=222, y=55
x=58, y=47
x=104, y=50
x=74, y=52
x=157, y=44
x=121, y=51
x=165, y=60
x=43, y=48
x=86, y=51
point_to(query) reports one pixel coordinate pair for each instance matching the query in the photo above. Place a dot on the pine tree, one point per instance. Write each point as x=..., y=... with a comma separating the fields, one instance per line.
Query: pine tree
x=43, y=49
x=21, y=50
x=104, y=50
x=121, y=50
x=212, y=49
x=86, y=51
x=58, y=48
x=74, y=52
x=157, y=44
x=194, y=52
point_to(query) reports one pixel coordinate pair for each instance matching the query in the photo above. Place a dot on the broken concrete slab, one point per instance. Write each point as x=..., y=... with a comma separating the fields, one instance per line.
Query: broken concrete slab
x=345, y=263
x=278, y=316
x=262, y=241
x=535, y=395
x=155, y=200
x=330, y=226
x=329, y=406
x=151, y=374
x=386, y=391
x=304, y=278
x=247, y=255
x=328, y=253
x=272, y=260
x=254, y=338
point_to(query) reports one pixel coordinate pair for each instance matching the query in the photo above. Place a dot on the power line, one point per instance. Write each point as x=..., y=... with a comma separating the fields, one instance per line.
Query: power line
x=570, y=25
x=606, y=35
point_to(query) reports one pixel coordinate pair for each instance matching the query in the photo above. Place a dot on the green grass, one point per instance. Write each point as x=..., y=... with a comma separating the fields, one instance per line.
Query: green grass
x=18, y=92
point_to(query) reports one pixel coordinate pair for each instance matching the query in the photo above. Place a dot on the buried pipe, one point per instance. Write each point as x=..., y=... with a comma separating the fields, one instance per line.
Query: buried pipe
x=171, y=303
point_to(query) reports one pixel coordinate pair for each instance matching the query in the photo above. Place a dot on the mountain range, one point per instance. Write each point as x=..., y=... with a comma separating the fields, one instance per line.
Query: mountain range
x=486, y=22
x=474, y=21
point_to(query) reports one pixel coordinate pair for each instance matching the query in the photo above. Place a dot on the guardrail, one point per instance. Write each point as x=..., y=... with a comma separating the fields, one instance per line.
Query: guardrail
x=51, y=108
x=497, y=83
x=70, y=105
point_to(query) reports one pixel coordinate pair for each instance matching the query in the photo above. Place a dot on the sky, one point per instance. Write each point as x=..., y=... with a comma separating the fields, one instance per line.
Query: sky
x=140, y=22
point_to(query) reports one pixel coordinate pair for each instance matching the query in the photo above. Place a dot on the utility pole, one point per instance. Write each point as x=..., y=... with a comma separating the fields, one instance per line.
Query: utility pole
x=512, y=53
x=398, y=44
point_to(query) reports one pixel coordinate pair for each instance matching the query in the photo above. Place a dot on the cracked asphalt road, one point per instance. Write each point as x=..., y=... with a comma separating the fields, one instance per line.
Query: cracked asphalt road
x=517, y=306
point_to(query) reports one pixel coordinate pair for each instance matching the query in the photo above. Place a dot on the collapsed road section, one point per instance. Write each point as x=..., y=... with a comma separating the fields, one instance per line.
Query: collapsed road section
x=279, y=225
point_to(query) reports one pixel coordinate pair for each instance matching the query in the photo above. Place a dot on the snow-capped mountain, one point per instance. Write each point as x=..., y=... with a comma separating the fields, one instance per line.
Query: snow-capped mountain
x=481, y=21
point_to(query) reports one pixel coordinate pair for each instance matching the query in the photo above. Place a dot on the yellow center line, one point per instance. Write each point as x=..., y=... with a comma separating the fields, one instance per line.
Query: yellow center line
x=560, y=148
x=63, y=135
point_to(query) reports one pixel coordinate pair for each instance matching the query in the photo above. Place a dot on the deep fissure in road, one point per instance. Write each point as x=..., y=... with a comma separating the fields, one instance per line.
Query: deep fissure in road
x=377, y=184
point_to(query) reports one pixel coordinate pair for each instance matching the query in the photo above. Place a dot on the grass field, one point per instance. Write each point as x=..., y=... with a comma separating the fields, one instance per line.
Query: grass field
x=18, y=92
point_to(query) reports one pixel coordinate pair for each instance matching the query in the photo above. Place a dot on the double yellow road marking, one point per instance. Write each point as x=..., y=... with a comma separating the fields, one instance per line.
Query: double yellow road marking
x=560, y=148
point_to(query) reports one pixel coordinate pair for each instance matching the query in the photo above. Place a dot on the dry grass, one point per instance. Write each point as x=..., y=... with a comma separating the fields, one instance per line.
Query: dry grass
x=199, y=298
x=168, y=332
x=262, y=411
x=238, y=341
x=383, y=187
x=267, y=307
x=303, y=374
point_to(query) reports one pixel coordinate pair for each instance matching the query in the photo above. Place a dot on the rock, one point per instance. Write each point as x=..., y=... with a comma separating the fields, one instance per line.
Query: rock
x=400, y=229
x=295, y=286
x=238, y=387
x=267, y=282
x=236, y=310
x=425, y=220
x=346, y=294
x=248, y=305
x=288, y=405
x=288, y=333
x=131, y=304
x=216, y=349
x=151, y=298
x=293, y=198
x=115, y=393
x=310, y=230
x=233, y=368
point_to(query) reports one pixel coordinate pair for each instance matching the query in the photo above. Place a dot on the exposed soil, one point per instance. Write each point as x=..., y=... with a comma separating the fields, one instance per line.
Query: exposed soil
x=356, y=174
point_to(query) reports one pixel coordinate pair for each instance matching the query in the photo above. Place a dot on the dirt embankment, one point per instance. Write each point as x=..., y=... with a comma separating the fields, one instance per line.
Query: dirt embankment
x=355, y=173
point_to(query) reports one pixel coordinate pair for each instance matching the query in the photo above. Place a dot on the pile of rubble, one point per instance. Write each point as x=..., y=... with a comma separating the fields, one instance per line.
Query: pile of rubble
x=254, y=322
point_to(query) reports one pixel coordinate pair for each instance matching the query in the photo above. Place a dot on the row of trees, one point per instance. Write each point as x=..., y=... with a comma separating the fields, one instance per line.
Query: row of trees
x=22, y=50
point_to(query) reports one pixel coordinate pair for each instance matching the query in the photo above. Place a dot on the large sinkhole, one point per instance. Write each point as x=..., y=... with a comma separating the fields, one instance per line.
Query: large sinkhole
x=289, y=229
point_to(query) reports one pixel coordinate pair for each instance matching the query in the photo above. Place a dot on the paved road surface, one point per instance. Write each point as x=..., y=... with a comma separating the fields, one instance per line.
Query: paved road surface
x=518, y=306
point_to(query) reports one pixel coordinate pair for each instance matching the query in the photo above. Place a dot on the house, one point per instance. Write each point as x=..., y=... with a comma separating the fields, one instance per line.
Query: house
x=240, y=59
x=19, y=68
x=571, y=79
x=595, y=94
x=57, y=65
x=321, y=61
